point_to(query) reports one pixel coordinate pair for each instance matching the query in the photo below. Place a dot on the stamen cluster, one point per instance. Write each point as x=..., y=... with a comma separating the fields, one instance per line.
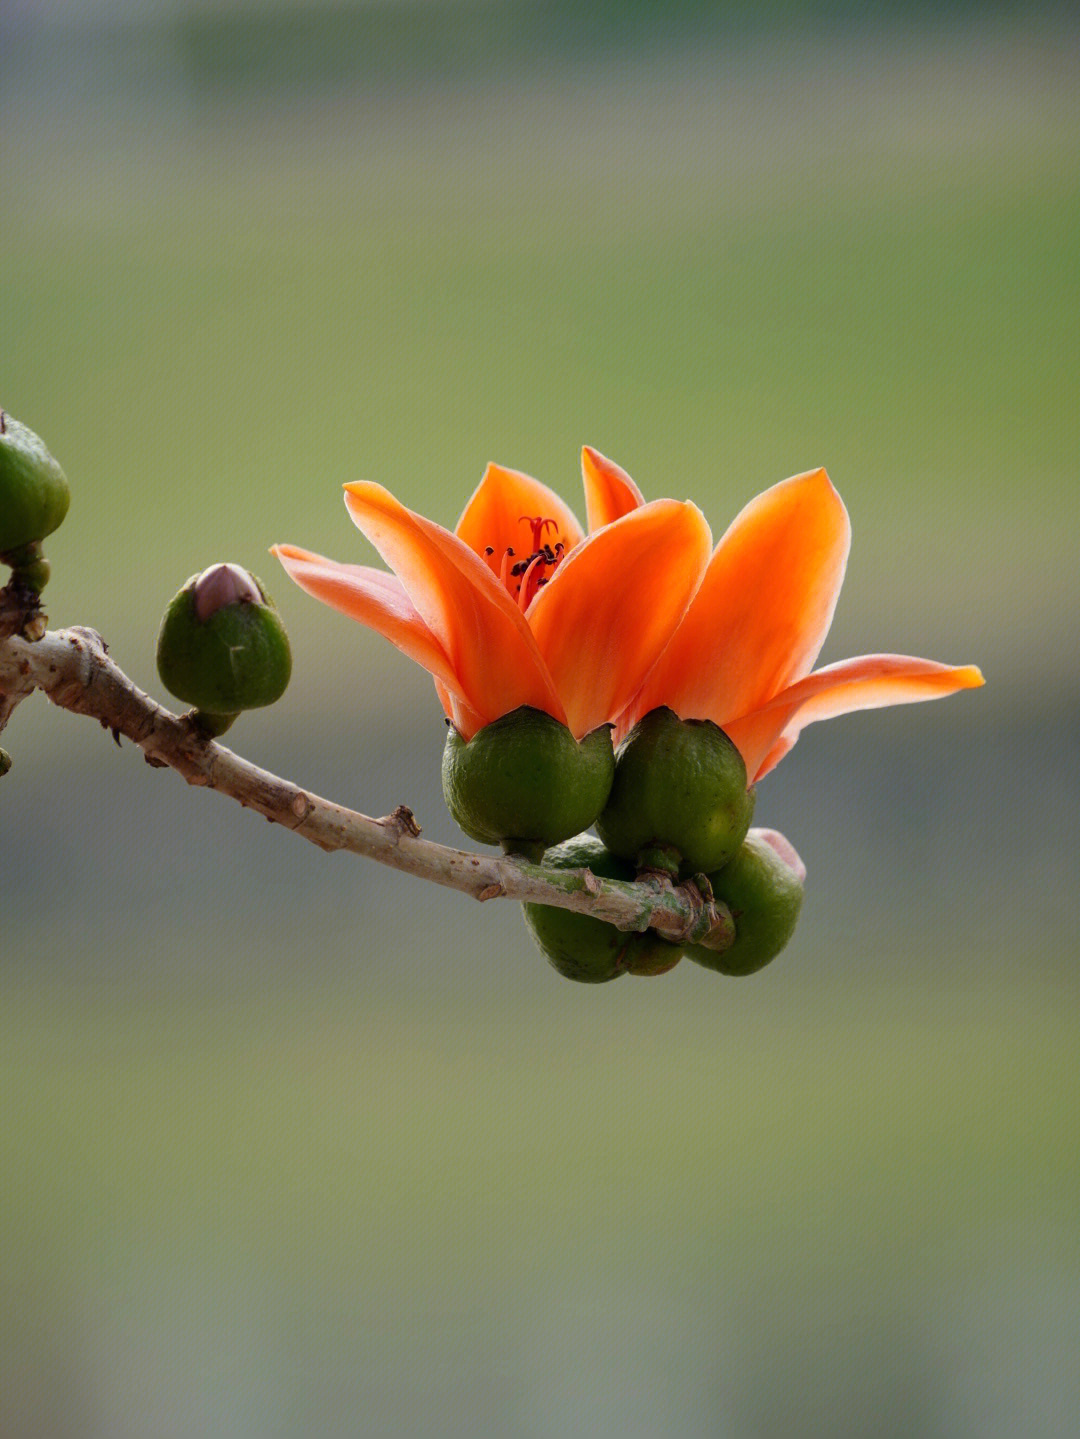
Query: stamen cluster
x=528, y=572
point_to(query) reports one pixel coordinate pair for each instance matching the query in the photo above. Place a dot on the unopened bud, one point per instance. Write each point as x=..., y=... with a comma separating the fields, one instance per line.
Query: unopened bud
x=34, y=499
x=222, y=646
x=587, y=949
x=763, y=888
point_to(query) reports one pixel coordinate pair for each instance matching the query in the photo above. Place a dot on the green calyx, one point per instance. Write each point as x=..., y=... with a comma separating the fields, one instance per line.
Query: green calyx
x=222, y=647
x=34, y=494
x=525, y=782
x=763, y=888
x=590, y=950
x=679, y=784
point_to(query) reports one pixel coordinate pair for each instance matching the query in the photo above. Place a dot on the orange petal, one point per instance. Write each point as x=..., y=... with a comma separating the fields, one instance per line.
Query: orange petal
x=612, y=605
x=493, y=516
x=610, y=493
x=373, y=597
x=869, y=682
x=465, y=720
x=489, y=645
x=764, y=607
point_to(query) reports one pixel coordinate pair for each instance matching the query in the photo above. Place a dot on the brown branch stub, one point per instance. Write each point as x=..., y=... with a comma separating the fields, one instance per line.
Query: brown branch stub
x=20, y=611
x=405, y=820
x=73, y=668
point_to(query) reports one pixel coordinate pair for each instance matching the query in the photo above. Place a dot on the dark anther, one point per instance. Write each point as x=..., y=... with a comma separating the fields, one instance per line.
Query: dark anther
x=489, y=549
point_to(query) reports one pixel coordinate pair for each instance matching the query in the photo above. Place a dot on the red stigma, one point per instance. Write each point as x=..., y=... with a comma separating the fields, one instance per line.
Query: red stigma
x=524, y=577
x=538, y=524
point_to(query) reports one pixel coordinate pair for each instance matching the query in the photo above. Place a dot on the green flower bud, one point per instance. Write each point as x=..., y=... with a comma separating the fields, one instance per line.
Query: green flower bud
x=34, y=494
x=763, y=888
x=524, y=781
x=590, y=950
x=222, y=646
x=681, y=784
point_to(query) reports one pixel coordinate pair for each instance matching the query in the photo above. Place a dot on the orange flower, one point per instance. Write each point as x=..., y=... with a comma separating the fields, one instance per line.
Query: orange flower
x=743, y=653
x=517, y=607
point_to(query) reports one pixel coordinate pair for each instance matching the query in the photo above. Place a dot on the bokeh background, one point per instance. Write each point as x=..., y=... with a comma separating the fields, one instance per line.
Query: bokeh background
x=293, y=1145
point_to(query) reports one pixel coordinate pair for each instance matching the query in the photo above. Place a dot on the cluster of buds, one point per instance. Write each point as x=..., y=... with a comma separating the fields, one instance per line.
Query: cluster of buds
x=673, y=799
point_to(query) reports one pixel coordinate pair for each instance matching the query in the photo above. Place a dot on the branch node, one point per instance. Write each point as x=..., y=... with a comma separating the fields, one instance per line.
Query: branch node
x=404, y=822
x=491, y=891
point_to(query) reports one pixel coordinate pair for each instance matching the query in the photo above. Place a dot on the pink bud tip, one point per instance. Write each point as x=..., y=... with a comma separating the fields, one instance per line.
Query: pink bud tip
x=785, y=849
x=223, y=585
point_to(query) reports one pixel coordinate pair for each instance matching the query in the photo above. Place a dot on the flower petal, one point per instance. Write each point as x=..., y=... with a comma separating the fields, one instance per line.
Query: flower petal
x=868, y=682
x=612, y=605
x=497, y=516
x=610, y=493
x=491, y=650
x=465, y=720
x=373, y=597
x=763, y=610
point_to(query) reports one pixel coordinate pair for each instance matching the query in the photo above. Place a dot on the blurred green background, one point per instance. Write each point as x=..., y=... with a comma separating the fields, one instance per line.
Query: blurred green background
x=292, y=1145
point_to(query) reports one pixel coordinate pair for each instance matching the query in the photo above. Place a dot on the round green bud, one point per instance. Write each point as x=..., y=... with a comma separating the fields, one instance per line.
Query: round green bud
x=681, y=784
x=763, y=888
x=222, y=647
x=590, y=950
x=34, y=494
x=524, y=780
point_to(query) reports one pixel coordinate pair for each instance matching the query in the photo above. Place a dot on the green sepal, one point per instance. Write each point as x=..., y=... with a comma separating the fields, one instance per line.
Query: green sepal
x=681, y=784
x=524, y=781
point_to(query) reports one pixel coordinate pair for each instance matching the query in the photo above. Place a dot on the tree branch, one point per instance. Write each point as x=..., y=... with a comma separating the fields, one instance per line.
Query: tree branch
x=73, y=669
